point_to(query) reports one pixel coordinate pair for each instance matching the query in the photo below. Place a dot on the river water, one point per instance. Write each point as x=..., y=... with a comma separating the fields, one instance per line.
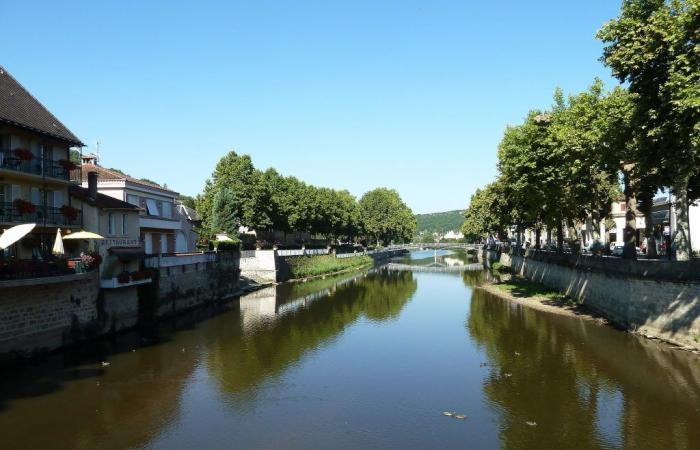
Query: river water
x=368, y=360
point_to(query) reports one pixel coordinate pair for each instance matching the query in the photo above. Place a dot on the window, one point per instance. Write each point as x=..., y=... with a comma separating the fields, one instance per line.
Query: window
x=168, y=210
x=112, y=226
x=151, y=207
x=125, y=224
x=133, y=199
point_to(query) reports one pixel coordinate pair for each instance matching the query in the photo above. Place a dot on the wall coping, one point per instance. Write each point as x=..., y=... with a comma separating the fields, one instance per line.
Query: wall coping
x=47, y=280
x=651, y=269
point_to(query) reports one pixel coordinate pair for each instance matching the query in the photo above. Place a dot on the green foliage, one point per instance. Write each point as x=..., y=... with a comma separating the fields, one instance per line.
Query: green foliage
x=309, y=266
x=187, y=201
x=386, y=217
x=653, y=47
x=488, y=213
x=268, y=200
x=441, y=222
x=521, y=287
x=227, y=246
x=225, y=215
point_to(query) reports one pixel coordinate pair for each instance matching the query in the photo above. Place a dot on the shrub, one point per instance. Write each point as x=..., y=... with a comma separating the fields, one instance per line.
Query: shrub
x=308, y=266
x=227, y=246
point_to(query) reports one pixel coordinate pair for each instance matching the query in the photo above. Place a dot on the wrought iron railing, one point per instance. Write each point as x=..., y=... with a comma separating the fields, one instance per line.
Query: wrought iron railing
x=46, y=215
x=48, y=168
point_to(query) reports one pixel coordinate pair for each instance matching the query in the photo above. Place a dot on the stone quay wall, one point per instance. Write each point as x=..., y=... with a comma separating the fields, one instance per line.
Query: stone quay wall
x=654, y=298
x=47, y=313
x=179, y=287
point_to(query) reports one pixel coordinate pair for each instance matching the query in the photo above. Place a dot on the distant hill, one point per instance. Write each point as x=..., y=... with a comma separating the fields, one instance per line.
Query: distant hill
x=440, y=222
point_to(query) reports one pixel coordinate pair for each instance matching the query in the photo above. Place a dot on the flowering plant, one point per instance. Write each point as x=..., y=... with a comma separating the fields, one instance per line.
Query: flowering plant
x=69, y=212
x=24, y=207
x=91, y=260
x=24, y=154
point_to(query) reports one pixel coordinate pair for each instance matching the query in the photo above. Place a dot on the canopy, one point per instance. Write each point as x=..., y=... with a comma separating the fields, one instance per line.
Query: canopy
x=83, y=235
x=58, y=249
x=127, y=252
x=14, y=234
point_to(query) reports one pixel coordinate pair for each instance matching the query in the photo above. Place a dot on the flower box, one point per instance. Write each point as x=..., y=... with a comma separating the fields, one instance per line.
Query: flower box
x=23, y=154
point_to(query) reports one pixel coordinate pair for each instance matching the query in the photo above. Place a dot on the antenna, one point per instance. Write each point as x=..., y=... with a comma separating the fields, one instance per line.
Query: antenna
x=97, y=151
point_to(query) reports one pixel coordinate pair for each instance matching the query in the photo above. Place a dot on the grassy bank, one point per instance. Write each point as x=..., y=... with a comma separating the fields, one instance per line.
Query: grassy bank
x=523, y=288
x=309, y=266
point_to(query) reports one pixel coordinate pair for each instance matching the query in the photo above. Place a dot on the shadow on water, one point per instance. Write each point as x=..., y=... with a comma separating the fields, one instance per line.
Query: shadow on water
x=582, y=383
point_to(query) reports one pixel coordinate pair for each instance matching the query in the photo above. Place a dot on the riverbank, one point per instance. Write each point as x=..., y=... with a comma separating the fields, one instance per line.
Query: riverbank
x=305, y=267
x=540, y=297
x=543, y=298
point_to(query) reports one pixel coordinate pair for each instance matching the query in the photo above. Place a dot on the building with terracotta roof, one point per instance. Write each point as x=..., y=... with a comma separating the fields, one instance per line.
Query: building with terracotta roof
x=160, y=221
x=35, y=170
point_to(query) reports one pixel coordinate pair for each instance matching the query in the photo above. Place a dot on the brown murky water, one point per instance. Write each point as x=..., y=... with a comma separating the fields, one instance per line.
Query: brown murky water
x=365, y=361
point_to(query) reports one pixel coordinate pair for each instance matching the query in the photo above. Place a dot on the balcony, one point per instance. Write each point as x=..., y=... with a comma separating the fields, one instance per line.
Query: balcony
x=42, y=215
x=9, y=160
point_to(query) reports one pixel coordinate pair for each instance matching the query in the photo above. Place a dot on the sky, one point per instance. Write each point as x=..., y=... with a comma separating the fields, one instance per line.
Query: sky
x=350, y=95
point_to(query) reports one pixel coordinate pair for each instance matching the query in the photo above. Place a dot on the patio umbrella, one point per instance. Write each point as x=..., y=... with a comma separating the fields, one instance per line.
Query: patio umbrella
x=87, y=235
x=14, y=234
x=58, y=249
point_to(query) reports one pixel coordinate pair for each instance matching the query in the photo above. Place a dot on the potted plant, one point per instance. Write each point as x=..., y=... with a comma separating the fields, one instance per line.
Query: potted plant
x=23, y=154
x=24, y=207
x=69, y=212
x=91, y=260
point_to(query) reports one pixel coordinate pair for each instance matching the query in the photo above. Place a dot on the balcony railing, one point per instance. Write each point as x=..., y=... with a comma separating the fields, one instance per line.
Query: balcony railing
x=46, y=215
x=37, y=166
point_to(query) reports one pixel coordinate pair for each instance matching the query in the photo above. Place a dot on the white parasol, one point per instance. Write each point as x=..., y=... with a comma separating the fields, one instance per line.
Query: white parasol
x=58, y=249
x=14, y=234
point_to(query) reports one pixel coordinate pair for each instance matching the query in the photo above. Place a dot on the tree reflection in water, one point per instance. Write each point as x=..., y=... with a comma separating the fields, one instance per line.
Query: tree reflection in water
x=582, y=383
x=242, y=358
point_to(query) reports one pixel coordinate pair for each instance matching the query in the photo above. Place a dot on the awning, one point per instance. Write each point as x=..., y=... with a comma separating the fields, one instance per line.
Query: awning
x=127, y=252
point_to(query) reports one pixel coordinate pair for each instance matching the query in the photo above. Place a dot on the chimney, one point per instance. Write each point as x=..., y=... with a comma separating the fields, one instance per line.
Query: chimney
x=92, y=185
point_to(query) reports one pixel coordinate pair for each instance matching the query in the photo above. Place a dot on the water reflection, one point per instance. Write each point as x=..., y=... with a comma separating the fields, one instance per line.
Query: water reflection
x=289, y=321
x=580, y=389
x=362, y=361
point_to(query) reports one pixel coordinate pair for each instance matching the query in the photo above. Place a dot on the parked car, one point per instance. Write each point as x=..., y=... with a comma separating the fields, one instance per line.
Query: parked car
x=617, y=251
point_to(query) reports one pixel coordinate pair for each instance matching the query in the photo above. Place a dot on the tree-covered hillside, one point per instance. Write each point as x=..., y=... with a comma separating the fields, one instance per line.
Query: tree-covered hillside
x=440, y=222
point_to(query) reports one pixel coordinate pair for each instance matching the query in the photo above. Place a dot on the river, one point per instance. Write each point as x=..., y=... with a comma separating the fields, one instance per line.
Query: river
x=367, y=360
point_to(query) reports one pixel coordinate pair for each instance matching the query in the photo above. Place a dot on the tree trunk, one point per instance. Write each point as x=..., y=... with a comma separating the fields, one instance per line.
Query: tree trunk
x=560, y=237
x=538, y=235
x=630, y=233
x=647, y=203
x=681, y=235
x=549, y=236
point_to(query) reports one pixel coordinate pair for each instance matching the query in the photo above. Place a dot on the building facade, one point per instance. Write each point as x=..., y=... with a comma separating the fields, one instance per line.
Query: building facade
x=39, y=161
x=160, y=222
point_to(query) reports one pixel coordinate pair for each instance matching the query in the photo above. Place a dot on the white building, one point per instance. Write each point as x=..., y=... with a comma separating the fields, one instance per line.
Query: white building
x=162, y=229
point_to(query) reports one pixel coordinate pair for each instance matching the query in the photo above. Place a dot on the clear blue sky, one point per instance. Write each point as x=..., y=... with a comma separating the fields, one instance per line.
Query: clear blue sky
x=409, y=95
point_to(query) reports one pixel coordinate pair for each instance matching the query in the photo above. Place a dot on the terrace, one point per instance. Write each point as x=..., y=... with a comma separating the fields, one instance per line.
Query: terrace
x=27, y=212
x=24, y=161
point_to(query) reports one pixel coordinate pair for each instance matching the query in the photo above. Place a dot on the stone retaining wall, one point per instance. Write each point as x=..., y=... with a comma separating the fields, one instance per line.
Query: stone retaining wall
x=189, y=285
x=47, y=313
x=632, y=295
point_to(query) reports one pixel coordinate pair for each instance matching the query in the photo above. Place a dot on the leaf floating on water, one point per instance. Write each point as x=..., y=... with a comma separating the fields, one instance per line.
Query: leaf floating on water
x=508, y=374
x=517, y=354
x=532, y=424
